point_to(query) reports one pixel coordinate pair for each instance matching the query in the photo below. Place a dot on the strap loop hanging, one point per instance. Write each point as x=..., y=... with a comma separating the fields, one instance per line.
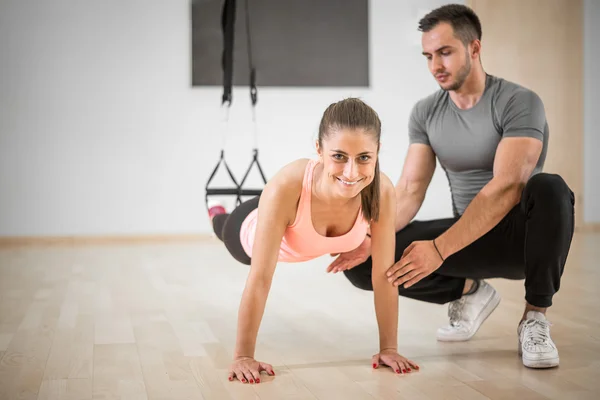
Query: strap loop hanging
x=228, y=17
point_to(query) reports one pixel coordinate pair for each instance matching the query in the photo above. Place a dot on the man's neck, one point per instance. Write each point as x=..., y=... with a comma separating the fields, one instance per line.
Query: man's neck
x=471, y=90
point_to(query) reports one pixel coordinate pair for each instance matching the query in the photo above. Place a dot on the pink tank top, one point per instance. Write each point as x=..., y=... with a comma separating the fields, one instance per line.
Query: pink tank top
x=300, y=241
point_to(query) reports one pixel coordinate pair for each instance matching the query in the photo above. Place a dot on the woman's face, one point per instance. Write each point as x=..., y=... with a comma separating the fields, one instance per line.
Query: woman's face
x=349, y=159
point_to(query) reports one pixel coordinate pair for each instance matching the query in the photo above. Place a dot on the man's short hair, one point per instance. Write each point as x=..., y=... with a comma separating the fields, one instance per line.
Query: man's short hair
x=464, y=21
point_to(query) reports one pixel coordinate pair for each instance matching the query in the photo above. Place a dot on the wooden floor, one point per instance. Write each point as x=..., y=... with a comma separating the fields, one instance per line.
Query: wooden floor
x=158, y=322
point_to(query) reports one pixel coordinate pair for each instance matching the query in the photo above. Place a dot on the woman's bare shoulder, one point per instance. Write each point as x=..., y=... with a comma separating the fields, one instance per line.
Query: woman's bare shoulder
x=386, y=185
x=284, y=189
x=291, y=175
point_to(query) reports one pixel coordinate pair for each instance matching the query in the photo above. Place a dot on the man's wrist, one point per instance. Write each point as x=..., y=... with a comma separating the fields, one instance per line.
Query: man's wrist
x=438, y=251
x=441, y=246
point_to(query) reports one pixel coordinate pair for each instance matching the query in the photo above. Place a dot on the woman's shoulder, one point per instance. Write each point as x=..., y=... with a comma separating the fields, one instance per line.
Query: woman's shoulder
x=291, y=174
x=387, y=198
x=286, y=184
x=386, y=185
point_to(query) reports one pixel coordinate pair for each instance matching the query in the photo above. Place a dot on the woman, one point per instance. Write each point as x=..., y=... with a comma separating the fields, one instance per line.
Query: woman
x=311, y=208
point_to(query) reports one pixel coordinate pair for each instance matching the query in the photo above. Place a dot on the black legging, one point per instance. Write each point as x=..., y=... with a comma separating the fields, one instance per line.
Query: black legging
x=532, y=242
x=227, y=228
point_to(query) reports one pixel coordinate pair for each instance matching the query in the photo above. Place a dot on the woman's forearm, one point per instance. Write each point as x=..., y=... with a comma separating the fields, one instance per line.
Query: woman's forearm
x=386, y=310
x=251, y=311
x=383, y=252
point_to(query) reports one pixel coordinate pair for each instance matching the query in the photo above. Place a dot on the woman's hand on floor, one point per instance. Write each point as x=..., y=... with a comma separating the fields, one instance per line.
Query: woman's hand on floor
x=395, y=361
x=247, y=370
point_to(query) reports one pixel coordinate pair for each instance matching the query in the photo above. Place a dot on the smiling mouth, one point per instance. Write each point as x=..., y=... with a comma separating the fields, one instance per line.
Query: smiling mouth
x=348, y=183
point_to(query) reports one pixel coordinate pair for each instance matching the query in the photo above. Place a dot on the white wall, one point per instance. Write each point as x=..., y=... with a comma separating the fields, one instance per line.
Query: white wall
x=101, y=133
x=591, y=121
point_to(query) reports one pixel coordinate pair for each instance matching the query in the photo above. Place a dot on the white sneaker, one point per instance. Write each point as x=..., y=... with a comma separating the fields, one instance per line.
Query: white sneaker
x=468, y=313
x=535, y=344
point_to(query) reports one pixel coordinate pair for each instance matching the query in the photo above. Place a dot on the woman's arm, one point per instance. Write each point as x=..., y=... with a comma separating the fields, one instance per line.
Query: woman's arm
x=276, y=208
x=383, y=246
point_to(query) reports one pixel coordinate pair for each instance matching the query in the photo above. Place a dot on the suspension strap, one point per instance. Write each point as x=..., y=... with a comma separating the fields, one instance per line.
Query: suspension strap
x=253, y=90
x=228, y=27
x=254, y=161
x=253, y=97
x=228, y=17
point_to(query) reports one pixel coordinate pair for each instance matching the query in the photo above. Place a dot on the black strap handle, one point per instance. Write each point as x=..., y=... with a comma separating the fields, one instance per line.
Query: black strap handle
x=253, y=89
x=228, y=26
x=254, y=161
x=237, y=190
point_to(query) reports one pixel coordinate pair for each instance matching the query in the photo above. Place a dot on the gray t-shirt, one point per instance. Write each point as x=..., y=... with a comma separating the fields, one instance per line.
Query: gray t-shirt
x=465, y=141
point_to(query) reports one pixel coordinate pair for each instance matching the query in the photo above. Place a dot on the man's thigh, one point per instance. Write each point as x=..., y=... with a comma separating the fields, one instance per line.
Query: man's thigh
x=500, y=253
x=360, y=275
x=420, y=230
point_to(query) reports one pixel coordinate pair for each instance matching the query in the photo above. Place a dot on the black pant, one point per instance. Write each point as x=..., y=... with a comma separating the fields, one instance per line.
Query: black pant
x=227, y=227
x=531, y=242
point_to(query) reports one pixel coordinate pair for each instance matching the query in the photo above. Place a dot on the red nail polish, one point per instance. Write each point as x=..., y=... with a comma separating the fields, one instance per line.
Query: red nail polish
x=397, y=371
x=403, y=371
x=243, y=380
x=230, y=378
x=251, y=380
x=374, y=365
x=416, y=367
x=258, y=381
x=408, y=370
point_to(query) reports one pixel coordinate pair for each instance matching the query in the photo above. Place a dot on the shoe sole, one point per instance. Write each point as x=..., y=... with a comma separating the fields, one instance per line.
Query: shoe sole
x=487, y=310
x=548, y=363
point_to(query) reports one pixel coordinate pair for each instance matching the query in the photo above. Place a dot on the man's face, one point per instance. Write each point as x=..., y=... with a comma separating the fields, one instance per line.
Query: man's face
x=447, y=58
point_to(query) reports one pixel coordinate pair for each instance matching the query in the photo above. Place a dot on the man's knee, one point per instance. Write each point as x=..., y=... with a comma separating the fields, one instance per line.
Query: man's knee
x=551, y=188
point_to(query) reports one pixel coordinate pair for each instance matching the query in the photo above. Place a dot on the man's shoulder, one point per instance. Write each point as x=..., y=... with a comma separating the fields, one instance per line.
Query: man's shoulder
x=516, y=107
x=432, y=99
x=425, y=106
x=506, y=92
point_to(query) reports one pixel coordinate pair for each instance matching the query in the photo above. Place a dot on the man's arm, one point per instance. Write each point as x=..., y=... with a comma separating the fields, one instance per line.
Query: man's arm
x=516, y=158
x=416, y=176
x=523, y=120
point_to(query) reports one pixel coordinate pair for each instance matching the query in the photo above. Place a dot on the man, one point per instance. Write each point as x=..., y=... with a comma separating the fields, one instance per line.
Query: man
x=510, y=219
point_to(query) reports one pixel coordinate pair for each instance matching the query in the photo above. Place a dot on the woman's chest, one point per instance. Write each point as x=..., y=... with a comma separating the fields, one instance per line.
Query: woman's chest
x=334, y=221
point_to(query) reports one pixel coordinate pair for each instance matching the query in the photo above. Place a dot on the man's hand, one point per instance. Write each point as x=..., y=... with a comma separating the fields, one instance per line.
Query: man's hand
x=418, y=260
x=352, y=258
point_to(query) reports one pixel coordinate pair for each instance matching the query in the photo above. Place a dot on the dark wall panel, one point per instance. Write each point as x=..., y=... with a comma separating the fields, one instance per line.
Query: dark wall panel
x=294, y=43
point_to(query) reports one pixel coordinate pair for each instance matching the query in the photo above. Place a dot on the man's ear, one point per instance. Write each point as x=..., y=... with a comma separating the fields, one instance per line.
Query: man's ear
x=476, y=48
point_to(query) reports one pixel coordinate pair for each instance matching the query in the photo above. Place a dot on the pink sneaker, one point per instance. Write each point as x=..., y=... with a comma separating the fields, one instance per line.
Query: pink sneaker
x=216, y=209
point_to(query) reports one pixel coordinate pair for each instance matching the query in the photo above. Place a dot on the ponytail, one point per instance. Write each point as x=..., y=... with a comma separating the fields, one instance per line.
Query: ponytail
x=370, y=197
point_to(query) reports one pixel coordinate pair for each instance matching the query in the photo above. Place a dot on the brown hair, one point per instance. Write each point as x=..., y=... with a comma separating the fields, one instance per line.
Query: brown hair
x=353, y=113
x=464, y=21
